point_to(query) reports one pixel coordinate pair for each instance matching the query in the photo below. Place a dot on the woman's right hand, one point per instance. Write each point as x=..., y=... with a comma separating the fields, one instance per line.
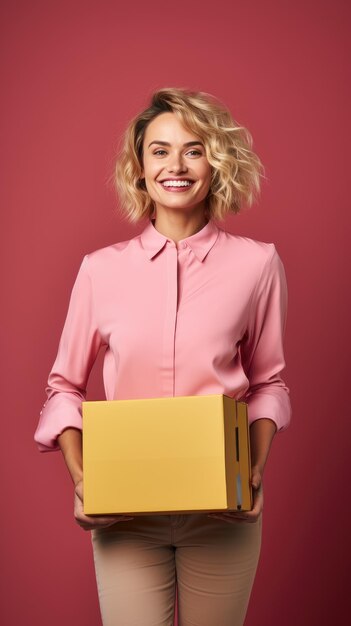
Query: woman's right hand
x=89, y=522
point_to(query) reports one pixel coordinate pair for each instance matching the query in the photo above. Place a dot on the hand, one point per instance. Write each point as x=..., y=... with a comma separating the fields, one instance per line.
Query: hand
x=88, y=522
x=257, y=505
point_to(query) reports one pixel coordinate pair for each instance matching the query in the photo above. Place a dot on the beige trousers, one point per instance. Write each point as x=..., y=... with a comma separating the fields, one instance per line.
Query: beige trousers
x=139, y=563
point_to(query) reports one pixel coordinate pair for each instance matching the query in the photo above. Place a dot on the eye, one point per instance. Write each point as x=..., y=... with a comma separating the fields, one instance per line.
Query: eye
x=160, y=152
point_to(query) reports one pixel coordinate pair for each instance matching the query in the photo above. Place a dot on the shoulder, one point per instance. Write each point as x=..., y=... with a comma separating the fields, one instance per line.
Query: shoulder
x=258, y=260
x=249, y=249
x=108, y=255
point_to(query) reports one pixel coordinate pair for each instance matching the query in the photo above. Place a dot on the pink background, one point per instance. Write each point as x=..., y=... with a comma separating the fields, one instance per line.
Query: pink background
x=73, y=74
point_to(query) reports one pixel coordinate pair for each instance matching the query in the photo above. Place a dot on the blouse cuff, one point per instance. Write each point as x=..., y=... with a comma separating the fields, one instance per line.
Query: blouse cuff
x=54, y=420
x=273, y=404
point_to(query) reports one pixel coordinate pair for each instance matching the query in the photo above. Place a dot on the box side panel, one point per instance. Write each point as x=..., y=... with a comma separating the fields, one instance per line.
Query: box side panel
x=245, y=455
x=232, y=466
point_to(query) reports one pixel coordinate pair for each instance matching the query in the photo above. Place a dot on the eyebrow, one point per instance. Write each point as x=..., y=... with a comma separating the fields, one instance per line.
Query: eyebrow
x=165, y=143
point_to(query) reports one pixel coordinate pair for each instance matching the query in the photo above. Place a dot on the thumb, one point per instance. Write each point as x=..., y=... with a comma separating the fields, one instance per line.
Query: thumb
x=79, y=490
x=256, y=479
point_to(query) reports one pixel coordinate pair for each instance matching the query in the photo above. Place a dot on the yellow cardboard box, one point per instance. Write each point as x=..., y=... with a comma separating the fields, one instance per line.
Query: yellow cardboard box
x=180, y=454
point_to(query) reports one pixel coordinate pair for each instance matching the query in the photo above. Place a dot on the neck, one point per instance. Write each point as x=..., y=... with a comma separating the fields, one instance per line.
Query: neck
x=179, y=226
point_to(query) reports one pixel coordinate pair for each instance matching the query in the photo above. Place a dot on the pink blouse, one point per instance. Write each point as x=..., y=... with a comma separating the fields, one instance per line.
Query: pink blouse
x=204, y=316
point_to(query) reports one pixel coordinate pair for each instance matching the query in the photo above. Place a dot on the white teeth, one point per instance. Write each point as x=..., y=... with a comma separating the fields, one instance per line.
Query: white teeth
x=176, y=183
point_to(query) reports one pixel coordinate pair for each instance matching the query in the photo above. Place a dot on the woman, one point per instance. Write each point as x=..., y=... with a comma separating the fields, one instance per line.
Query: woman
x=184, y=308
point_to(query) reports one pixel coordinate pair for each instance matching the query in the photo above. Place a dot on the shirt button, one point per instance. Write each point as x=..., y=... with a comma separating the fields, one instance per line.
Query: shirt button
x=183, y=244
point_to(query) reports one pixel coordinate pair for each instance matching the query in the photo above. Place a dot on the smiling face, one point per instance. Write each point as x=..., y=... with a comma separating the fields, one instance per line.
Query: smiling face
x=175, y=167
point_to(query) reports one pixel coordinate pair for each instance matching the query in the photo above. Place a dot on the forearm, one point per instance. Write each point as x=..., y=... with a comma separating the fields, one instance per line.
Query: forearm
x=262, y=432
x=70, y=442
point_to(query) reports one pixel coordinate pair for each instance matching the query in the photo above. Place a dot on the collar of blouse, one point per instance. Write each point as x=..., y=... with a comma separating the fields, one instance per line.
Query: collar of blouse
x=200, y=243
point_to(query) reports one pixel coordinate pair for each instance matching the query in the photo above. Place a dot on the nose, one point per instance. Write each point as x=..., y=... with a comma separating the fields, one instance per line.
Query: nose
x=176, y=164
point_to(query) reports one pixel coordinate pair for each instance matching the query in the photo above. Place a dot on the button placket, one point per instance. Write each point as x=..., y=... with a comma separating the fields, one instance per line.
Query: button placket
x=170, y=319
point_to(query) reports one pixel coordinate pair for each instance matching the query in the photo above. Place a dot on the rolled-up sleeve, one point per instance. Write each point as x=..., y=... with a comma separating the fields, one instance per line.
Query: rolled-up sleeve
x=78, y=348
x=262, y=350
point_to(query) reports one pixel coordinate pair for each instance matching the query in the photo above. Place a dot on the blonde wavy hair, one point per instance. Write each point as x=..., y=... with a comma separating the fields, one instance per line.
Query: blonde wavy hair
x=235, y=168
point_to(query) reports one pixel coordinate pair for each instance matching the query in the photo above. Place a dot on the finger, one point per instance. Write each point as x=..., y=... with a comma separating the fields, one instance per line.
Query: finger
x=238, y=514
x=231, y=519
x=242, y=516
x=100, y=522
x=256, y=510
x=257, y=499
x=98, y=519
x=79, y=488
x=230, y=515
x=256, y=480
x=79, y=513
x=101, y=519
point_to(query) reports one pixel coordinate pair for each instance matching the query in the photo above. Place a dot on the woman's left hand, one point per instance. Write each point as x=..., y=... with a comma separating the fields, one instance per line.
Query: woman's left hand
x=257, y=506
